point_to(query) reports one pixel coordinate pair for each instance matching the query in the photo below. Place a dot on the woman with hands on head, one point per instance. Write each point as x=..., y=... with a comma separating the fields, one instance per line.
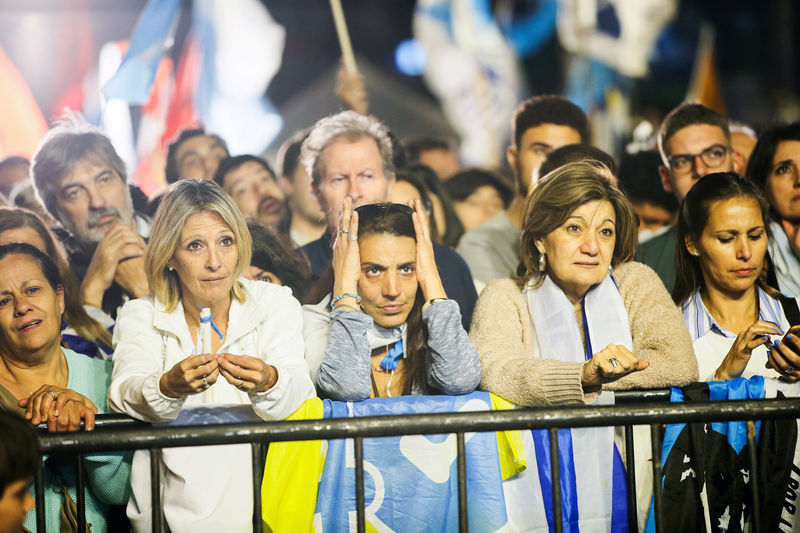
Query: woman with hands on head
x=49, y=384
x=580, y=316
x=734, y=317
x=387, y=328
x=163, y=363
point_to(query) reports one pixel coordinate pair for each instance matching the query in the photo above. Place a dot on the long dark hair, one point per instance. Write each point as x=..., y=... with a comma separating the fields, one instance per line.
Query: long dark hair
x=74, y=313
x=395, y=219
x=692, y=219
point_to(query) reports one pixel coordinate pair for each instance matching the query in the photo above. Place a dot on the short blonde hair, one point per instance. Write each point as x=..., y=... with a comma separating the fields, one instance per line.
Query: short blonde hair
x=558, y=194
x=183, y=199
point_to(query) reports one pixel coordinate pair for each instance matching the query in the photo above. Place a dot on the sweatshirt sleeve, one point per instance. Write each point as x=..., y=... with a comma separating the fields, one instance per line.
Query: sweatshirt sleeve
x=501, y=335
x=281, y=345
x=658, y=330
x=138, y=362
x=455, y=367
x=345, y=370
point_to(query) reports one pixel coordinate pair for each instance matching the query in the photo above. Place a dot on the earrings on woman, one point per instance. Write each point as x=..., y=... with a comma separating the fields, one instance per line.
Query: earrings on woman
x=542, y=262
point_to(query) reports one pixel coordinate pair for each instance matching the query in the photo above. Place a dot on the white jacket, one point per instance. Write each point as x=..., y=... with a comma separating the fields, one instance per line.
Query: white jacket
x=205, y=488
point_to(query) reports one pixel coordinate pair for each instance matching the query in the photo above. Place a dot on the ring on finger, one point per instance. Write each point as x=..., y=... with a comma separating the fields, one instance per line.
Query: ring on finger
x=241, y=383
x=613, y=362
x=352, y=237
x=205, y=384
x=790, y=370
x=344, y=232
x=51, y=393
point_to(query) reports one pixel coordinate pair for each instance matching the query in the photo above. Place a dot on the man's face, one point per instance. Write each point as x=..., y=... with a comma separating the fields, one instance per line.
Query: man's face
x=534, y=146
x=199, y=157
x=350, y=168
x=92, y=199
x=297, y=188
x=256, y=192
x=687, y=165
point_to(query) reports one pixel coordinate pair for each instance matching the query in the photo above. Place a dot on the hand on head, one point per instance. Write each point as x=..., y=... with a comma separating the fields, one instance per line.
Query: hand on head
x=346, y=258
x=610, y=364
x=427, y=272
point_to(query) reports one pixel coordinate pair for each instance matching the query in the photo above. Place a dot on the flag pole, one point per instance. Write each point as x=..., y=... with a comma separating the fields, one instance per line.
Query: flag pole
x=344, y=37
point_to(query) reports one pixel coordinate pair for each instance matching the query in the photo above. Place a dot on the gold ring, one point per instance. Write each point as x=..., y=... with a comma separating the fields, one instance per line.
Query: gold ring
x=51, y=393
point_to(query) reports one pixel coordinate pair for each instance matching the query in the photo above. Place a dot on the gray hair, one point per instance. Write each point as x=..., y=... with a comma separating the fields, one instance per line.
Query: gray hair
x=348, y=125
x=70, y=142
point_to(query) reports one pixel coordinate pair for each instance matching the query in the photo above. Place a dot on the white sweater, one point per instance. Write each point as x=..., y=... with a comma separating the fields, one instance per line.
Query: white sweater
x=205, y=488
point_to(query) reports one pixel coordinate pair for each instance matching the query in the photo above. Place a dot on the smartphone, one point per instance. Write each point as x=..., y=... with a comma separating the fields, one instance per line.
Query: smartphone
x=794, y=330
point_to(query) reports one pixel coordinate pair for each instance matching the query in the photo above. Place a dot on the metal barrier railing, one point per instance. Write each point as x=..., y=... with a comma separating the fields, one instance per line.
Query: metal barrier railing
x=632, y=408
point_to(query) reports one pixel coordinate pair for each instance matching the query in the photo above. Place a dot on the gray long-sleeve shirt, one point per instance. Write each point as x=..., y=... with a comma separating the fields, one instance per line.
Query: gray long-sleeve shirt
x=339, y=354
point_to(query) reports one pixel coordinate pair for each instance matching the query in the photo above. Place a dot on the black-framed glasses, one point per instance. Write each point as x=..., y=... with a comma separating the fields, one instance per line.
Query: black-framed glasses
x=712, y=157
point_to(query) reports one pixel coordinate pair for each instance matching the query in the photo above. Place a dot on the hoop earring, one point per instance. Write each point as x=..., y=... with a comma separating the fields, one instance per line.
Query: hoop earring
x=542, y=263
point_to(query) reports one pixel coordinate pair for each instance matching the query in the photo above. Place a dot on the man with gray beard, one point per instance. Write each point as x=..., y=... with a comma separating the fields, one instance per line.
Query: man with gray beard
x=81, y=181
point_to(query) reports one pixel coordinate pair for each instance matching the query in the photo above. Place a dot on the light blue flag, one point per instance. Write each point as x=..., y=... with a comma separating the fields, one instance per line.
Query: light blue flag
x=410, y=482
x=137, y=72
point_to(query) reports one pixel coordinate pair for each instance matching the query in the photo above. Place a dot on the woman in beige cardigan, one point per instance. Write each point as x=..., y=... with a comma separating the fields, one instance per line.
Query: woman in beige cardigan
x=581, y=316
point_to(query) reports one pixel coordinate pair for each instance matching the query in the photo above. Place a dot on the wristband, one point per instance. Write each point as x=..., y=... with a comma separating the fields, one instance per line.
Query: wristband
x=432, y=301
x=346, y=295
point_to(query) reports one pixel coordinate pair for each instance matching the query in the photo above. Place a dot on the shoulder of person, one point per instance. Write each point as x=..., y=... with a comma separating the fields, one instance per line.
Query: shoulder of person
x=268, y=296
x=448, y=256
x=137, y=307
x=635, y=272
x=501, y=288
x=77, y=360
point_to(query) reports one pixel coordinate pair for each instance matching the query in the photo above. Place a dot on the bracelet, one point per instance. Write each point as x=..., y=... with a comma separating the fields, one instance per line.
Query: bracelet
x=346, y=295
x=432, y=301
x=346, y=307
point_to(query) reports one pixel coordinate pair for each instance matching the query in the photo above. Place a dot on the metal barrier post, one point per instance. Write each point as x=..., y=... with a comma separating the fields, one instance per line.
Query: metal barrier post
x=80, y=492
x=555, y=476
x=359, y=453
x=658, y=504
x=157, y=513
x=258, y=464
x=630, y=471
x=38, y=489
x=463, y=522
x=754, y=488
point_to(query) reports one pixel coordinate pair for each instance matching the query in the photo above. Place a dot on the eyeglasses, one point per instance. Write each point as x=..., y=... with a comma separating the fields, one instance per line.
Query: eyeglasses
x=712, y=157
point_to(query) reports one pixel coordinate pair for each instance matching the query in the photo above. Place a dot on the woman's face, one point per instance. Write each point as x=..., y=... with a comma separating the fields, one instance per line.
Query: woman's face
x=23, y=235
x=732, y=246
x=484, y=203
x=388, y=283
x=30, y=310
x=205, y=260
x=579, y=251
x=783, y=181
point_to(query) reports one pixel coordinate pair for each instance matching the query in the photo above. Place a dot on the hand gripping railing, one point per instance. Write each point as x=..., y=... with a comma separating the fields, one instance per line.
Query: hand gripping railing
x=114, y=432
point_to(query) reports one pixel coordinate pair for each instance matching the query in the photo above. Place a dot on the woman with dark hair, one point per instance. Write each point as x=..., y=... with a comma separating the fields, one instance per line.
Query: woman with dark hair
x=85, y=328
x=478, y=195
x=775, y=165
x=387, y=328
x=723, y=231
x=581, y=316
x=447, y=223
x=276, y=261
x=47, y=383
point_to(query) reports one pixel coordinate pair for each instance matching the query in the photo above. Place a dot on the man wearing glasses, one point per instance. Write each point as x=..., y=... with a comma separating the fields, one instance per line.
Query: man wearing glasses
x=693, y=141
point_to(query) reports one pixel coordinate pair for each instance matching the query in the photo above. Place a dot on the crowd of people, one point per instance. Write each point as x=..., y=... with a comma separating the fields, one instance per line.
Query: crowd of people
x=364, y=266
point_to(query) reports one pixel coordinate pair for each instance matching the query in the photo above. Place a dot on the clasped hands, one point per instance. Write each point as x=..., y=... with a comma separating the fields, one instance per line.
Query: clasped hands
x=62, y=409
x=196, y=373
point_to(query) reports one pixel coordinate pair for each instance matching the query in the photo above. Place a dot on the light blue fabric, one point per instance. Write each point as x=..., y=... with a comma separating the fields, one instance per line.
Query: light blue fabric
x=107, y=474
x=407, y=485
x=699, y=320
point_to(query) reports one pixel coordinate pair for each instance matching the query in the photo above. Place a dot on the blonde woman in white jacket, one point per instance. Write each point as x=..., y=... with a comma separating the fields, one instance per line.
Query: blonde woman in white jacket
x=163, y=363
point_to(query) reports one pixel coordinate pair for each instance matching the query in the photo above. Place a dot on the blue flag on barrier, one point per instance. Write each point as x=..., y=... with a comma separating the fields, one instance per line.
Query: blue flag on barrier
x=410, y=482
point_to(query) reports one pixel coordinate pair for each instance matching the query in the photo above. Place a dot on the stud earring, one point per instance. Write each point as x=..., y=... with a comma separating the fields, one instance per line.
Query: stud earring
x=171, y=269
x=610, y=269
x=542, y=262
x=696, y=253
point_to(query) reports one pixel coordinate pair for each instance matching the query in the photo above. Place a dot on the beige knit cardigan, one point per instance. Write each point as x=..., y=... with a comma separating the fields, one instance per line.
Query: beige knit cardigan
x=502, y=333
